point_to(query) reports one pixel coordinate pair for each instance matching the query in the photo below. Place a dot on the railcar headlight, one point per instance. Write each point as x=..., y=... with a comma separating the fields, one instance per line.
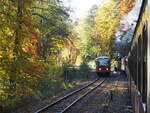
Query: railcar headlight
x=100, y=69
x=107, y=69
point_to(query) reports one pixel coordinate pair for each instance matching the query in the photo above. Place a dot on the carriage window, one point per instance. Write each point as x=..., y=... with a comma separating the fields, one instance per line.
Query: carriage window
x=135, y=64
x=144, y=86
x=139, y=64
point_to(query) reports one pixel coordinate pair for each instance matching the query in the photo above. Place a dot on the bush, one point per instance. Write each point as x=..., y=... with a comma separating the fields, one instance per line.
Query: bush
x=84, y=70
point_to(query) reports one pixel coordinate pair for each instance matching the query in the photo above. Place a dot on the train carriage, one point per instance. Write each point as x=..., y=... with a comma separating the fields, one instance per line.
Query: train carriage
x=138, y=67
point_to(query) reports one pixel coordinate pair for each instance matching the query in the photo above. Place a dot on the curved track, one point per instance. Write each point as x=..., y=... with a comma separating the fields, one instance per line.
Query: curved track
x=63, y=104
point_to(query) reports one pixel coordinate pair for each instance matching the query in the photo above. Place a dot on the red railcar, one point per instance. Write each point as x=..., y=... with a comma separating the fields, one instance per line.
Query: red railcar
x=102, y=65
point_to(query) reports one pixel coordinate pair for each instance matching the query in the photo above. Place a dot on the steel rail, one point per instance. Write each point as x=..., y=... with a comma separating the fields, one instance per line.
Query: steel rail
x=64, y=97
x=81, y=97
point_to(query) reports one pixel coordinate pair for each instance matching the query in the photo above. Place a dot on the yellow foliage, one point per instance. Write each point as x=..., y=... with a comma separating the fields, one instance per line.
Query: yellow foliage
x=107, y=20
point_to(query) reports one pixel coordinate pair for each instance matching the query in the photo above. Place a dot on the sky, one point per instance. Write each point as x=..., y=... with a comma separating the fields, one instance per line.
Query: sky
x=81, y=6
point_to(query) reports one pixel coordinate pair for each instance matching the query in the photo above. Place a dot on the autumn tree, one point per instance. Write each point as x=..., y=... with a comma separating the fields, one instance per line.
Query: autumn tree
x=16, y=34
x=89, y=38
x=125, y=29
x=126, y=6
x=31, y=33
x=107, y=19
x=51, y=19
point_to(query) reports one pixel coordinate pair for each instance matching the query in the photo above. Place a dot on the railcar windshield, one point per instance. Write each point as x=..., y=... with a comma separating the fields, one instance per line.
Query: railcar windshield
x=103, y=62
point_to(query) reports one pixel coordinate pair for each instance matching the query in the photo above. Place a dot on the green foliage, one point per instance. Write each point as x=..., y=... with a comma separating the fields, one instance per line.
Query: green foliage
x=89, y=44
x=72, y=74
x=84, y=70
x=51, y=20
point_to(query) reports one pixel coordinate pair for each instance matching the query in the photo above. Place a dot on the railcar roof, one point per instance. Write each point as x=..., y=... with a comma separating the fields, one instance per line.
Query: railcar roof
x=102, y=57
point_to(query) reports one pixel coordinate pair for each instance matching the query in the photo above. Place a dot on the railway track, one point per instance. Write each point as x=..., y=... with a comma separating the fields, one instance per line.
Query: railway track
x=64, y=103
x=105, y=99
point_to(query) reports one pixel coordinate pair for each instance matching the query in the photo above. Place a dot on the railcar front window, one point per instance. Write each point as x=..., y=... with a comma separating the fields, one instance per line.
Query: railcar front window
x=103, y=62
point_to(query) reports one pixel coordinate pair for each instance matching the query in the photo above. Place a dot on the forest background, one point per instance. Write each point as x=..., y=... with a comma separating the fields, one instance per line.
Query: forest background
x=39, y=41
